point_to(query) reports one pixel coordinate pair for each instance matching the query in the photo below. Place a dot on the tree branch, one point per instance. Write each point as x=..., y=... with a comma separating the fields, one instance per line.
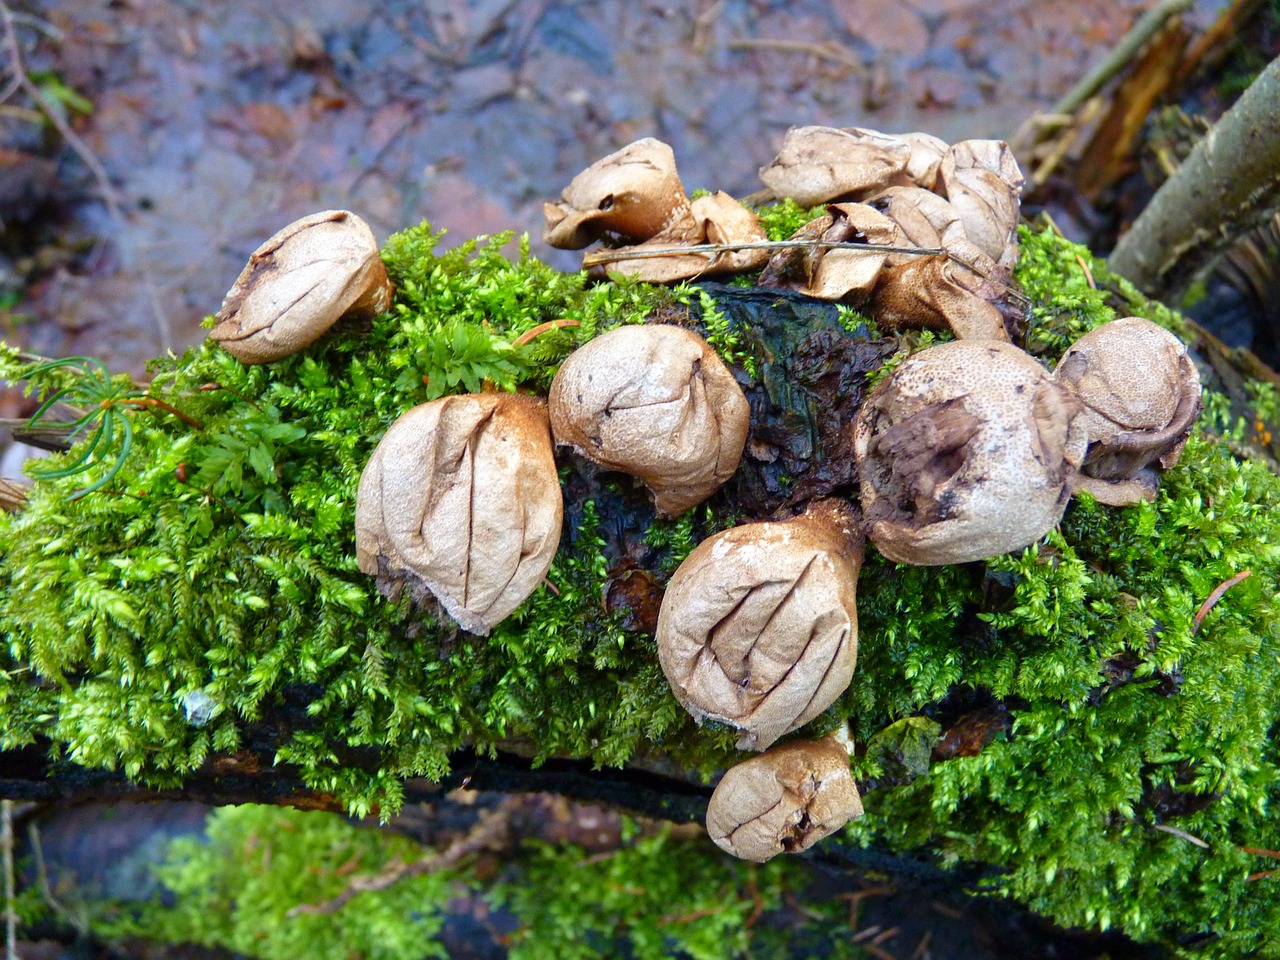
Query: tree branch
x=1229, y=185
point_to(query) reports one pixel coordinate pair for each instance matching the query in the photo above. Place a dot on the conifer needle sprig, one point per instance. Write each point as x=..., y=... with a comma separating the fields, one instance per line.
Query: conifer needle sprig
x=103, y=408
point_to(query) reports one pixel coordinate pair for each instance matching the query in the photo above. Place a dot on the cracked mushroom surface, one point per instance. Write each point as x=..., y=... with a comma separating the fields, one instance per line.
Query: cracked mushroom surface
x=299, y=283
x=656, y=402
x=783, y=801
x=1141, y=396
x=461, y=501
x=759, y=626
x=969, y=450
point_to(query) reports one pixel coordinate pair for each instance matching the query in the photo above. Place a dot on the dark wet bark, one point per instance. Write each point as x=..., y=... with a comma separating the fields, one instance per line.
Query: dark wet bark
x=1229, y=185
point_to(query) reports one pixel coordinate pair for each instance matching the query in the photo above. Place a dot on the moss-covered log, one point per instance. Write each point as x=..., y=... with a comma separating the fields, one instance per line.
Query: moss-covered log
x=1077, y=722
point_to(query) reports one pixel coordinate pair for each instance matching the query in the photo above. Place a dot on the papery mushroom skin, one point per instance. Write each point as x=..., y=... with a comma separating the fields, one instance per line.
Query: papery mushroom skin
x=633, y=194
x=1141, y=396
x=759, y=627
x=299, y=283
x=967, y=451
x=822, y=164
x=656, y=402
x=461, y=500
x=784, y=800
x=840, y=274
x=982, y=181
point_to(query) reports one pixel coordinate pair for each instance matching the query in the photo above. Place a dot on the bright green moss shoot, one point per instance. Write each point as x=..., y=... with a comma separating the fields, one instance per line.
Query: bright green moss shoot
x=241, y=584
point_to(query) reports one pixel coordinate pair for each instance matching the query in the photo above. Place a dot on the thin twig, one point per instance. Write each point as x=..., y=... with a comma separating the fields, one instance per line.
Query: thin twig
x=1212, y=600
x=1148, y=26
x=493, y=825
x=826, y=51
x=1181, y=834
x=10, y=888
x=612, y=256
x=90, y=159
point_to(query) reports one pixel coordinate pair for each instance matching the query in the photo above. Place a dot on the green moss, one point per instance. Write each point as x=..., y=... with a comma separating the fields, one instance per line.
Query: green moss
x=654, y=897
x=240, y=584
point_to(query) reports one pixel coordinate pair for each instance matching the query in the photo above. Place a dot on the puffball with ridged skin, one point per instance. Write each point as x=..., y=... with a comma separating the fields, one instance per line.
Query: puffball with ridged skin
x=301, y=282
x=656, y=402
x=783, y=801
x=1141, y=395
x=461, y=500
x=759, y=625
x=967, y=451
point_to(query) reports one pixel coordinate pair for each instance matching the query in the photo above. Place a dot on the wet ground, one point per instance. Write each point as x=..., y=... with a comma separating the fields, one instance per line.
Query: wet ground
x=217, y=123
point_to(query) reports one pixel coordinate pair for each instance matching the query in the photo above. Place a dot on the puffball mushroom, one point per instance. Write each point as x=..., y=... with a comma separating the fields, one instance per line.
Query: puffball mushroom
x=299, y=283
x=783, y=801
x=968, y=450
x=820, y=164
x=461, y=500
x=1141, y=396
x=632, y=194
x=656, y=402
x=759, y=626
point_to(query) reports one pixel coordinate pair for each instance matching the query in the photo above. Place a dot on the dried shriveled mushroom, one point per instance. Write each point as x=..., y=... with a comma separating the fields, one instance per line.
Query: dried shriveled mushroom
x=783, y=801
x=656, y=402
x=631, y=195
x=967, y=451
x=927, y=152
x=299, y=283
x=717, y=218
x=1141, y=395
x=840, y=274
x=820, y=164
x=982, y=180
x=759, y=628
x=461, y=500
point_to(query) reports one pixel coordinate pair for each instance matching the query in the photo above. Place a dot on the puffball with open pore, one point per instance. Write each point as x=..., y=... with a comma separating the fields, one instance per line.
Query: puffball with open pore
x=656, y=402
x=301, y=282
x=461, y=500
x=968, y=450
x=1141, y=396
x=783, y=801
x=759, y=626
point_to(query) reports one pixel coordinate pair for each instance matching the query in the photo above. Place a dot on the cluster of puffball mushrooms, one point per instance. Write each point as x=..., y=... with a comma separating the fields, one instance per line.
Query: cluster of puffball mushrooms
x=969, y=449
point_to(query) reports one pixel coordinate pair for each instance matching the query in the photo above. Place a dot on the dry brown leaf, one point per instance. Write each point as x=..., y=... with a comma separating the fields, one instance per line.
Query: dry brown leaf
x=759, y=628
x=299, y=283
x=655, y=402
x=969, y=450
x=783, y=801
x=461, y=500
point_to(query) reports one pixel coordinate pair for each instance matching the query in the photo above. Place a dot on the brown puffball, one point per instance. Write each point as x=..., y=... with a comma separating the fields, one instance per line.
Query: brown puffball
x=820, y=164
x=982, y=180
x=656, y=402
x=783, y=801
x=759, y=627
x=633, y=194
x=461, y=500
x=969, y=450
x=1141, y=396
x=299, y=284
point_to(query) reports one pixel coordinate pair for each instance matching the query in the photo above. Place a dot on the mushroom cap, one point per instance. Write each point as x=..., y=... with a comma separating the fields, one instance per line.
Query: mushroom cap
x=299, y=284
x=461, y=500
x=967, y=451
x=1141, y=396
x=656, y=402
x=759, y=625
x=633, y=194
x=982, y=180
x=783, y=801
x=820, y=164
x=927, y=152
